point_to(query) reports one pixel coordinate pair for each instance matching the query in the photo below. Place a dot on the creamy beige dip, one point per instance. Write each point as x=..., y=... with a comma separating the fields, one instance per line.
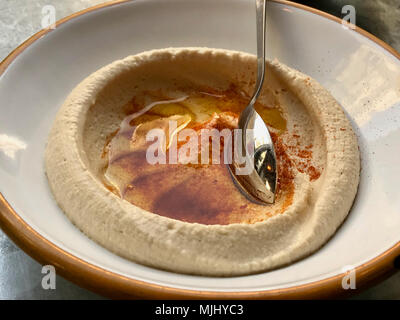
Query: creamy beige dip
x=318, y=165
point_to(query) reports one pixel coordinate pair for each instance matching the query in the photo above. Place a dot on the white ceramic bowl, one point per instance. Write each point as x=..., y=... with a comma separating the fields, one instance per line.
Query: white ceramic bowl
x=361, y=72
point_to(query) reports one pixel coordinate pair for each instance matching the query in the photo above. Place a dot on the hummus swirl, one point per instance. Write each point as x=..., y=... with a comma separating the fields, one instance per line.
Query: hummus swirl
x=317, y=153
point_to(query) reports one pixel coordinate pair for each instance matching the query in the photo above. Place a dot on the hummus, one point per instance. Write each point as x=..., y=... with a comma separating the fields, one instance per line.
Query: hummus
x=191, y=218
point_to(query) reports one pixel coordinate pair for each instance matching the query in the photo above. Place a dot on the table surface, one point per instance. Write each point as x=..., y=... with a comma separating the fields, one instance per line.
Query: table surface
x=21, y=276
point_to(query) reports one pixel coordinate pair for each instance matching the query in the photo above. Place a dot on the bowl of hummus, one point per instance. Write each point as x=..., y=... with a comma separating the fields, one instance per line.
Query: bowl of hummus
x=181, y=211
x=106, y=176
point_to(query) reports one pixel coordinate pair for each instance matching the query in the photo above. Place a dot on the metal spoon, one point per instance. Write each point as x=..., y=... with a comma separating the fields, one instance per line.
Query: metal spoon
x=259, y=182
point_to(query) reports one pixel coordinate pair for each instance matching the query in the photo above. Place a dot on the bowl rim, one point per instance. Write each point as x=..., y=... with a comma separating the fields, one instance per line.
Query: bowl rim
x=114, y=285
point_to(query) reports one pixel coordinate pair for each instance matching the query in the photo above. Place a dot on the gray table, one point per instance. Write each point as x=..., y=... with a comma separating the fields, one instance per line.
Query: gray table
x=20, y=276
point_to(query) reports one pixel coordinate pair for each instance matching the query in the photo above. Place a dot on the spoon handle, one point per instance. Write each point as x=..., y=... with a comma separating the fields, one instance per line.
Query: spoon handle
x=249, y=111
x=261, y=7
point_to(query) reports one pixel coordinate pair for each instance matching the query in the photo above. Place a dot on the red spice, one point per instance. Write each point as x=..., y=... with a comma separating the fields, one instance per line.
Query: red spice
x=306, y=154
x=313, y=173
x=284, y=164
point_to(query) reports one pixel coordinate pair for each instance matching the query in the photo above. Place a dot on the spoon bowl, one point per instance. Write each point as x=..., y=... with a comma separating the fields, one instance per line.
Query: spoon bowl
x=256, y=176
